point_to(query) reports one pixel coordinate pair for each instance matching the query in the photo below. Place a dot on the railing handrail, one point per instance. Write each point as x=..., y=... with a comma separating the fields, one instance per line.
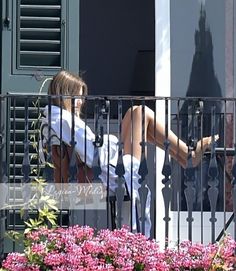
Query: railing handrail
x=120, y=97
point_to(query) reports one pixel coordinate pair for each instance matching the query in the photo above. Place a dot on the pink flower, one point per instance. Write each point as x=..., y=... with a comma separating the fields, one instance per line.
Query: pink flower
x=79, y=248
x=38, y=248
x=54, y=259
x=15, y=262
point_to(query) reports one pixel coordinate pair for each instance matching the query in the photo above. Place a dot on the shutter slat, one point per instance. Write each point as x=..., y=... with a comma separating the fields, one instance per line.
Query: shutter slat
x=43, y=53
x=40, y=7
x=39, y=2
x=57, y=42
x=58, y=30
x=34, y=18
x=39, y=67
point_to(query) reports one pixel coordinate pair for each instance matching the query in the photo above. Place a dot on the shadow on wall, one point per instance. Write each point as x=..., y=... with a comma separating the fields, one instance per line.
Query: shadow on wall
x=203, y=82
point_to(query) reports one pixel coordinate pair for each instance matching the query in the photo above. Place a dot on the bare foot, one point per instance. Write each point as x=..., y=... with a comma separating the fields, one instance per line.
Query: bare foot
x=202, y=146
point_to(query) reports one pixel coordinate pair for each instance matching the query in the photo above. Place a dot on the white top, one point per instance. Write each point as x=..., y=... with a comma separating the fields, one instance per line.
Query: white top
x=81, y=131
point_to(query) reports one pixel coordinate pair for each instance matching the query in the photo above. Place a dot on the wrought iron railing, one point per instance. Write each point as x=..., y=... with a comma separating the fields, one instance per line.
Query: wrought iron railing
x=185, y=203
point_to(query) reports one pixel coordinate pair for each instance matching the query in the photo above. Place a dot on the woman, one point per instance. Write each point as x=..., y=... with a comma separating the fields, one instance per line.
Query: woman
x=67, y=84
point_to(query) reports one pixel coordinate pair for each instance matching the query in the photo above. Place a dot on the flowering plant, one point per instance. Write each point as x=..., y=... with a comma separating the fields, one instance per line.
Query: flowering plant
x=80, y=248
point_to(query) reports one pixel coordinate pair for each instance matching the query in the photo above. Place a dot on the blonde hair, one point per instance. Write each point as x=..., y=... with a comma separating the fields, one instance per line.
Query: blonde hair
x=65, y=83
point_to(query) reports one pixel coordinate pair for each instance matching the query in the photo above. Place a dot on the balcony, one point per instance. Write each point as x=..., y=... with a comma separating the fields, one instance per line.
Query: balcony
x=192, y=202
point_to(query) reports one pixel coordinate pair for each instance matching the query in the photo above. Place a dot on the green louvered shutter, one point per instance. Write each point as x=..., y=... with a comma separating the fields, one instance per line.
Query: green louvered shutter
x=39, y=38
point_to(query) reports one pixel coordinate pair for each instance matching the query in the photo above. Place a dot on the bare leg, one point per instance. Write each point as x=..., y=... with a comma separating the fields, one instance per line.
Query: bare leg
x=133, y=133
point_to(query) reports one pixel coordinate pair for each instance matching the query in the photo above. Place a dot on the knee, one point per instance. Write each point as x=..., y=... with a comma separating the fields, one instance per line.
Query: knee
x=137, y=111
x=140, y=109
x=137, y=108
x=133, y=108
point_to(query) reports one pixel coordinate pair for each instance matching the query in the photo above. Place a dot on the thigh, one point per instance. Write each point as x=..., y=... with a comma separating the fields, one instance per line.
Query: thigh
x=132, y=132
x=126, y=122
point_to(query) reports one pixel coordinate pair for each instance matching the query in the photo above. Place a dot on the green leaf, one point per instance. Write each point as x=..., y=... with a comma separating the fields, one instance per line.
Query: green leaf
x=14, y=235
